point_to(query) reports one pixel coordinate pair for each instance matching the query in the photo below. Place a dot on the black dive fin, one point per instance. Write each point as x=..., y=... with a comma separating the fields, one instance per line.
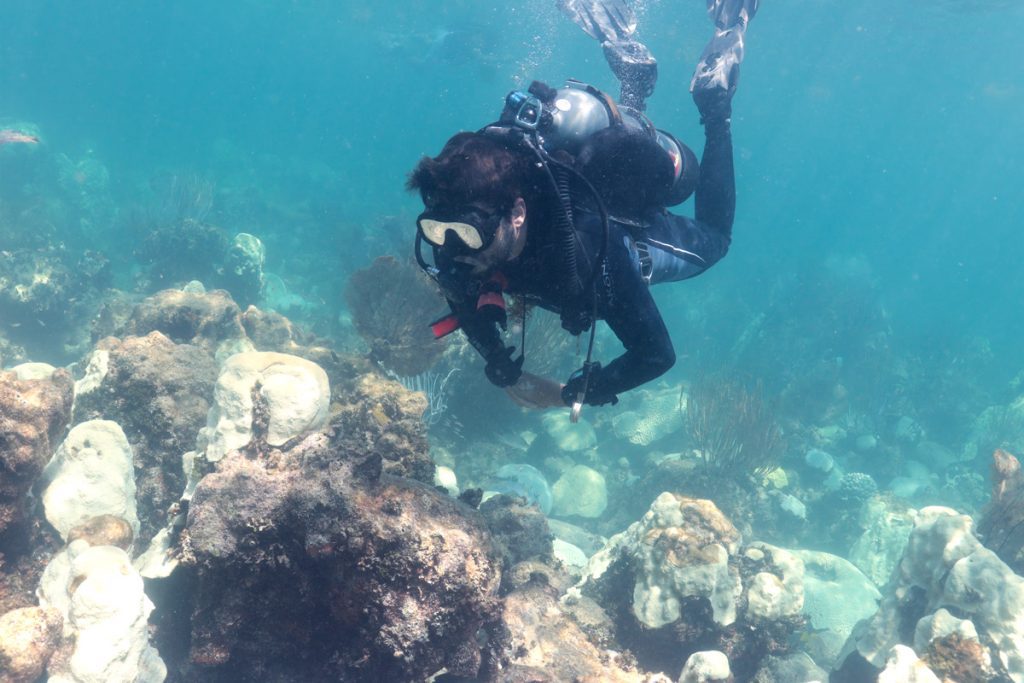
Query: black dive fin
x=603, y=20
x=729, y=13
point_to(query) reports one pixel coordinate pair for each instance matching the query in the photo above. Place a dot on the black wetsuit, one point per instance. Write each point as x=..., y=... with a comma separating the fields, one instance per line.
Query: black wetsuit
x=679, y=248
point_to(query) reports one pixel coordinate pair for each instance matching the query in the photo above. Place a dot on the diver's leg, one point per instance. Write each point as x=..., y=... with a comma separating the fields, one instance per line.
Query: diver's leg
x=713, y=86
x=612, y=23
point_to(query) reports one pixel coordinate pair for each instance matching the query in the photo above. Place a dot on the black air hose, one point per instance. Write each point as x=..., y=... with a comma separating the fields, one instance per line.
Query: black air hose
x=567, y=236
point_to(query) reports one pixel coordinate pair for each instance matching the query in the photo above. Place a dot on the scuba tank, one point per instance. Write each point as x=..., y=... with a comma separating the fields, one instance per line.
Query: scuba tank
x=616, y=147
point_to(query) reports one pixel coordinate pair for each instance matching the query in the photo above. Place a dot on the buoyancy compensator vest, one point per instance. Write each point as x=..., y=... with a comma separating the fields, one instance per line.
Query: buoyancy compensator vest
x=632, y=164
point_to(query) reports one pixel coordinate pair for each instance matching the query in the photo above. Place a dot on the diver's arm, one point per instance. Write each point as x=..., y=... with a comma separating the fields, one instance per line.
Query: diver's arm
x=482, y=333
x=715, y=196
x=634, y=318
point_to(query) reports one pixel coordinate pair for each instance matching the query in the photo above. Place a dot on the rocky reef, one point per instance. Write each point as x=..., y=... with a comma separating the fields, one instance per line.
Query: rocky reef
x=215, y=494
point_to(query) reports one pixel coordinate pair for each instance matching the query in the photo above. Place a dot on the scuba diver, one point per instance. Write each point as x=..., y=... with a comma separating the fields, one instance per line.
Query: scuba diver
x=562, y=202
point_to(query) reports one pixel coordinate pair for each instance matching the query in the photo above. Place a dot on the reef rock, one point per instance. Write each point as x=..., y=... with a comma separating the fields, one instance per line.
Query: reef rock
x=837, y=596
x=105, y=612
x=367, y=574
x=550, y=647
x=945, y=566
x=519, y=532
x=159, y=393
x=378, y=415
x=204, y=319
x=1002, y=524
x=567, y=436
x=33, y=415
x=887, y=524
x=903, y=666
x=681, y=549
x=580, y=492
x=676, y=583
x=28, y=638
x=242, y=272
x=90, y=474
x=650, y=416
x=706, y=667
x=295, y=391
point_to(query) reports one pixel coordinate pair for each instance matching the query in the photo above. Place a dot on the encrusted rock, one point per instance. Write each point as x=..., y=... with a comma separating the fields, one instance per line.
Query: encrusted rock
x=1002, y=525
x=271, y=331
x=518, y=531
x=364, y=572
x=33, y=415
x=159, y=393
x=203, y=319
x=28, y=638
x=103, y=530
x=381, y=416
x=554, y=647
x=675, y=583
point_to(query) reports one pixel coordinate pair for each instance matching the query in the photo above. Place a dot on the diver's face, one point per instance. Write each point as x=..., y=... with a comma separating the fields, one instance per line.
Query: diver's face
x=508, y=243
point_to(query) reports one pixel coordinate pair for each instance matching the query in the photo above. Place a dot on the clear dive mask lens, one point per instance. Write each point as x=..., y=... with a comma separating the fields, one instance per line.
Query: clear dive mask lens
x=436, y=232
x=474, y=228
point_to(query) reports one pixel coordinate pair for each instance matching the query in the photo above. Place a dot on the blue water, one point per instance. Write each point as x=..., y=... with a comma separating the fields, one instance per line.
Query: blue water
x=883, y=129
x=886, y=133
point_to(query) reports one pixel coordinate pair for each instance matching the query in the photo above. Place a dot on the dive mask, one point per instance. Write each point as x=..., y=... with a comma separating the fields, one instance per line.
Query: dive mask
x=474, y=228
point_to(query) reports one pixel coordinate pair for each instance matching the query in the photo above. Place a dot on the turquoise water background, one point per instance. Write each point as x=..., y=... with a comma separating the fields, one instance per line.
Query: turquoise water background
x=885, y=132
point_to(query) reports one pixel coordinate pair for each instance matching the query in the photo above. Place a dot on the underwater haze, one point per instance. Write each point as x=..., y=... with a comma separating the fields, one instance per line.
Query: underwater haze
x=231, y=177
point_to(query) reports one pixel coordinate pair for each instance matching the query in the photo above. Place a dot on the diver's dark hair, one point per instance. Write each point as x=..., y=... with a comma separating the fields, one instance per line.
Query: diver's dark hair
x=473, y=168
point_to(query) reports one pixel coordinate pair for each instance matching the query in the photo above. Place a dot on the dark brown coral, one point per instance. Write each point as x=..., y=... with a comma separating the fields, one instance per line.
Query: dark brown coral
x=392, y=305
x=378, y=415
x=33, y=415
x=314, y=565
x=203, y=319
x=1001, y=527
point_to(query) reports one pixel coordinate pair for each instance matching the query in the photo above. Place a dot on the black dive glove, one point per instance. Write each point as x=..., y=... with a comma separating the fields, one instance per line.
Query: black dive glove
x=594, y=397
x=502, y=369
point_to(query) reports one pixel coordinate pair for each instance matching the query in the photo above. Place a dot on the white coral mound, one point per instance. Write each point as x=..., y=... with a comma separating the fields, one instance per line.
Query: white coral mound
x=105, y=612
x=296, y=392
x=680, y=549
x=90, y=474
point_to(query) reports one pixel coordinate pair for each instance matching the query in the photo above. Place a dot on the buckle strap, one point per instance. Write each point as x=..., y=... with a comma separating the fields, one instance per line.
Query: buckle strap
x=646, y=263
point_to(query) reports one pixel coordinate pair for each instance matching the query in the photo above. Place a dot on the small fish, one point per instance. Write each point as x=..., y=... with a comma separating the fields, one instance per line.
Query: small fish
x=8, y=135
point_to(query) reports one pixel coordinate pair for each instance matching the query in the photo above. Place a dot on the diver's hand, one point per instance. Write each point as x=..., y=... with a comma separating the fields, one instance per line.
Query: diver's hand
x=536, y=392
